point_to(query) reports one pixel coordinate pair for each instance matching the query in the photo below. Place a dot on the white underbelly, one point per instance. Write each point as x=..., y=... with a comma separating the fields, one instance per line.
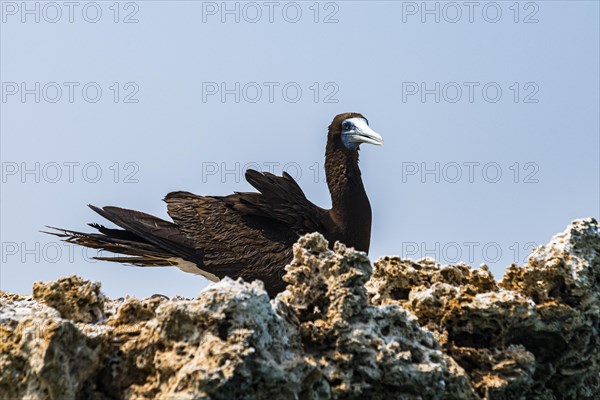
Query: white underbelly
x=192, y=268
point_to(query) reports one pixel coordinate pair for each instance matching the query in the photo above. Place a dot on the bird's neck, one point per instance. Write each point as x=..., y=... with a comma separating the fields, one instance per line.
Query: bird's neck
x=343, y=178
x=350, y=204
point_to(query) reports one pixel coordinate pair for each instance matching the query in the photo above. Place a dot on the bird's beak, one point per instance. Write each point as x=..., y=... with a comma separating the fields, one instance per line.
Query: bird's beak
x=364, y=134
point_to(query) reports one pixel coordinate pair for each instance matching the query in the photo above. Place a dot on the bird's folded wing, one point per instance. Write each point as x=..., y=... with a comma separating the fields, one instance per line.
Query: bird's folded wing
x=280, y=199
x=232, y=243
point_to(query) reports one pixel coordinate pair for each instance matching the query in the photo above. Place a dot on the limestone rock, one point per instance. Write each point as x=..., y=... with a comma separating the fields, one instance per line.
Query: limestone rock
x=363, y=351
x=343, y=329
x=535, y=335
x=43, y=356
x=73, y=297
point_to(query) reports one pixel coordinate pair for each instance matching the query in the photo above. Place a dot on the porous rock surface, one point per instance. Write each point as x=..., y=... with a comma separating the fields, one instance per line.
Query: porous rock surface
x=343, y=329
x=534, y=335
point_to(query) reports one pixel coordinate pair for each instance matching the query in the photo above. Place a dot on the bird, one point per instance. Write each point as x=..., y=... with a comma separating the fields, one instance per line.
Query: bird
x=248, y=235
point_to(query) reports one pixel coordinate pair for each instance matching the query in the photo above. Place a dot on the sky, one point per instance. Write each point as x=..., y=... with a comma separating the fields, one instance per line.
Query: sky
x=489, y=111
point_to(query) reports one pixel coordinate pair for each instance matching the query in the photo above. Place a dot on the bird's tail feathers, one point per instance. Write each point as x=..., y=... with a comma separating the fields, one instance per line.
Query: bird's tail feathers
x=137, y=251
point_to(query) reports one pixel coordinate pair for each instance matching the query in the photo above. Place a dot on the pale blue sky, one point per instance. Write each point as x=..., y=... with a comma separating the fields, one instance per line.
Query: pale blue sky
x=179, y=136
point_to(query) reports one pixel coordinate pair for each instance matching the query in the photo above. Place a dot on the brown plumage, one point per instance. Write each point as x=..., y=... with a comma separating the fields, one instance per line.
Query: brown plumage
x=248, y=235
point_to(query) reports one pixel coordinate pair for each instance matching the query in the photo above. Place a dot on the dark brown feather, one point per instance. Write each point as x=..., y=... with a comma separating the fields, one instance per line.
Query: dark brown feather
x=280, y=199
x=142, y=253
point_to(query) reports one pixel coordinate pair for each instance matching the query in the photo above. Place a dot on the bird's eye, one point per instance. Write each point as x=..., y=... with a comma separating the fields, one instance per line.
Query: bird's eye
x=346, y=126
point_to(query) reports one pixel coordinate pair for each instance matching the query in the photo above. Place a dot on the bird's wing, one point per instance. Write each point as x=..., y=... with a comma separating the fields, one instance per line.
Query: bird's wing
x=232, y=243
x=280, y=199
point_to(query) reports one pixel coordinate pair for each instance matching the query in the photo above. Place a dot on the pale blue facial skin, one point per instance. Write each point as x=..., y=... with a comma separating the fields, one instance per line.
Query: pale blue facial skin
x=356, y=131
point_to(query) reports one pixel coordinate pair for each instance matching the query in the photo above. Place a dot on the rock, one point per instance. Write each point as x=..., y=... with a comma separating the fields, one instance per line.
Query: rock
x=535, y=335
x=362, y=350
x=343, y=329
x=43, y=356
x=74, y=298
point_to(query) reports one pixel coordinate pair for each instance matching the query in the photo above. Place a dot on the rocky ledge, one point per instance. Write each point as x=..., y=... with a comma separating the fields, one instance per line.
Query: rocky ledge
x=343, y=329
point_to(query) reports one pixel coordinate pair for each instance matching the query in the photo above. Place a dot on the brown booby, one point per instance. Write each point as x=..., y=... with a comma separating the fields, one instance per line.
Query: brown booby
x=246, y=234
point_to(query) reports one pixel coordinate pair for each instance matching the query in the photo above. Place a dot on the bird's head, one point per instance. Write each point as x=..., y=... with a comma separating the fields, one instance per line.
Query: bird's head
x=352, y=129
